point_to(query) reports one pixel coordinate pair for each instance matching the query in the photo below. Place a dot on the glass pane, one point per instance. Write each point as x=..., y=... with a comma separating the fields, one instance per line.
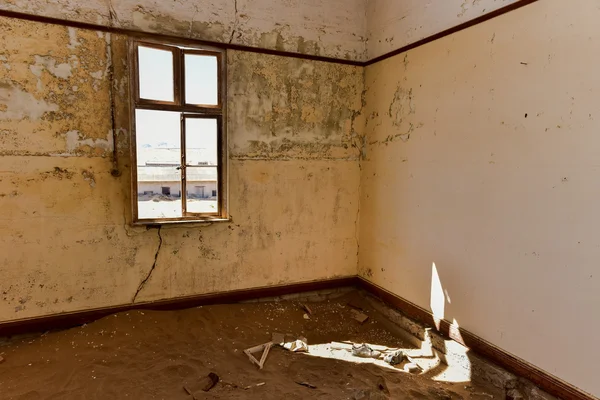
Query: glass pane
x=156, y=74
x=201, y=141
x=158, y=145
x=201, y=159
x=201, y=79
x=201, y=195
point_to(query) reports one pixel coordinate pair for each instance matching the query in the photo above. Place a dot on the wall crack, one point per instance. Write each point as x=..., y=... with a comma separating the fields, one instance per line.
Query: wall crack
x=235, y=21
x=112, y=15
x=147, y=278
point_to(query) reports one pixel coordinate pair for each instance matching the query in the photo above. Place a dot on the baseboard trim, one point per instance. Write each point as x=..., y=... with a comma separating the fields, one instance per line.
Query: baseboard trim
x=479, y=346
x=77, y=318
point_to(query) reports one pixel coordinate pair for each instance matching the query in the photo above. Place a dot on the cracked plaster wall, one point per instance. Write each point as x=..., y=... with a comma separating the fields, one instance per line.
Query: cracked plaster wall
x=392, y=24
x=65, y=239
x=482, y=157
x=333, y=28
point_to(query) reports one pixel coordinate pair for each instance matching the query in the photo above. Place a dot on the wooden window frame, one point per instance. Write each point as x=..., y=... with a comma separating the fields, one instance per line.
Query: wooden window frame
x=217, y=112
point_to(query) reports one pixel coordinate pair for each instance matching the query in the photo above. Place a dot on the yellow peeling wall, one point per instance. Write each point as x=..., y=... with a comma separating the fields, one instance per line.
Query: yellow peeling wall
x=483, y=159
x=65, y=239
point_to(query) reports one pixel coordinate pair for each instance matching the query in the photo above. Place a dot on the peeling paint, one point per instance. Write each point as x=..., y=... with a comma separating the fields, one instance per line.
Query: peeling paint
x=334, y=28
x=70, y=218
x=75, y=141
x=15, y=103
x=62, y=70
x=293, y=108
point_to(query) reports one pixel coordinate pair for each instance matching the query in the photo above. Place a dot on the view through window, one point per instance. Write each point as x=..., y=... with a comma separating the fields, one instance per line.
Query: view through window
x=179, y=139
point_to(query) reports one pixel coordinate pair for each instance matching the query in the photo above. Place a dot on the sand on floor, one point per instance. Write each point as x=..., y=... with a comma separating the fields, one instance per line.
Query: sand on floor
x=154, y=354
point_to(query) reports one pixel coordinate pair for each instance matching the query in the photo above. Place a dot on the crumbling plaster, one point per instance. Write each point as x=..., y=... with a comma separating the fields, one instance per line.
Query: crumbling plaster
x=66, y=242
x=356, y=30
x=334, y=28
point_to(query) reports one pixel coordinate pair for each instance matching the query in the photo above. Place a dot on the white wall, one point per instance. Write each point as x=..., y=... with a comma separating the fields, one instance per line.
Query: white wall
x=483, y=158
x=333, y=28
x=392, y=24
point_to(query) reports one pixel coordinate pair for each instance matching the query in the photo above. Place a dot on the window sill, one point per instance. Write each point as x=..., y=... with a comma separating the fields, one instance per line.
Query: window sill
x=204, y=221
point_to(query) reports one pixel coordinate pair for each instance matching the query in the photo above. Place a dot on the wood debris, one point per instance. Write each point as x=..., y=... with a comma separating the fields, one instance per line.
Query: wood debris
x=264, y=348
x=360, y=317
x=306, y=384
x=253, y=386
x=204, y=384
x=307, y=309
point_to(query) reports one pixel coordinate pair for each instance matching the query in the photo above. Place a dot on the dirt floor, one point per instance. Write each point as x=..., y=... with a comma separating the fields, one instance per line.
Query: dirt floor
x=154, y=354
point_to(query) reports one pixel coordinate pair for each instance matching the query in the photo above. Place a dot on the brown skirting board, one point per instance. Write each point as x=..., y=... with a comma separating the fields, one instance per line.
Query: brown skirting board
x=512, y=364
x=183, y=40
x=481, y=347
x=76, y=318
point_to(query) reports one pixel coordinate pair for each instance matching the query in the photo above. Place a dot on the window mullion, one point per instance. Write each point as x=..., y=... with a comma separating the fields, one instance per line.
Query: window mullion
x=183, y=168
x=180, y=76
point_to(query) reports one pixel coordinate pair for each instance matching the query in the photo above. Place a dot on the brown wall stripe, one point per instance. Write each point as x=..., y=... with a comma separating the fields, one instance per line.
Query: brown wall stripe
x=197, y=42
x=172, y=38
x=450, y=31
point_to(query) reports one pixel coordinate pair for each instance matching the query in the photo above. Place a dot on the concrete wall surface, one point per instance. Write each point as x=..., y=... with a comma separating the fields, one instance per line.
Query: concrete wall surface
x=480, y=191
x=346, y=29
x=392, y=24
x=333, y=28
x=66, y=243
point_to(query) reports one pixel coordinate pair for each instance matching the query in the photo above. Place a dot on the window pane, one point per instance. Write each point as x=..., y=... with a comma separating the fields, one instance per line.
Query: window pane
x=201, y=160
x=202, y=190
x=156, y=74
x=201, y=79
x=201, y=141
x=158, y=146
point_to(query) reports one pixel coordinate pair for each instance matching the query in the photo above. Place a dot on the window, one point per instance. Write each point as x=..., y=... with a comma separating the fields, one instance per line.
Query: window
x=179, y=140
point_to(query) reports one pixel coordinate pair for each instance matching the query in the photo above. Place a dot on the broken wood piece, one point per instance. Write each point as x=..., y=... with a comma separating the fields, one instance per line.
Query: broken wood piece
x=306, y=384
x=253, y=386
x=360, y=317
x=349, y=345
x=307, y=309
x=264, y=348
x=1, y=359
x=204, y=384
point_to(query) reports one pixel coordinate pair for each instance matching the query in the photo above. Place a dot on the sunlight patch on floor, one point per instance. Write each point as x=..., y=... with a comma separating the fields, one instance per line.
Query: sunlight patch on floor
x=429, y=362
